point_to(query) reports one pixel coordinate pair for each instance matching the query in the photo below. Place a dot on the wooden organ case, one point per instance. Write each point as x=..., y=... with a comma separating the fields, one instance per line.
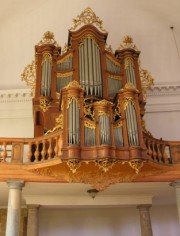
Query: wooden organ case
x=91, y=93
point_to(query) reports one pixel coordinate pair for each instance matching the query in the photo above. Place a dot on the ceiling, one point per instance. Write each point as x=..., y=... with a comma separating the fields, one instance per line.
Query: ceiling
x=22, y=24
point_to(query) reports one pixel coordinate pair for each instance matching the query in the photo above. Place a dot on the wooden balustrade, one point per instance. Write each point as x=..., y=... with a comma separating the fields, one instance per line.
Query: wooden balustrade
x=31, y=149
x=20, y=150
x=167, y=152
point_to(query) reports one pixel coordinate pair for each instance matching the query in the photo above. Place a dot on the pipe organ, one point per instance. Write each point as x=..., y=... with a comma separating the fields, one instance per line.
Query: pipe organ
x=95, y=93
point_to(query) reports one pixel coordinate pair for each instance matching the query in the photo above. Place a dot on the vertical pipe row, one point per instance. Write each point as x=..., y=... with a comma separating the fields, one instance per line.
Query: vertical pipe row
x=73, y=123
x=90, y=67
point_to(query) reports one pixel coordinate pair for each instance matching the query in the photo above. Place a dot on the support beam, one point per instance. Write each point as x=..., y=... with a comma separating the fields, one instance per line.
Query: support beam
x=14, y=207
x=145, y=220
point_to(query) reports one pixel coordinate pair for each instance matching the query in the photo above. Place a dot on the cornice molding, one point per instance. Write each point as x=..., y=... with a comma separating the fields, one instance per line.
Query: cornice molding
x=15, y=95
x=164, y=89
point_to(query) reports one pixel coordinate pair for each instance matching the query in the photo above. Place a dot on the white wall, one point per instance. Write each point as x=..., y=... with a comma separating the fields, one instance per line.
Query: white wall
x=106, y=221
x=23, y=24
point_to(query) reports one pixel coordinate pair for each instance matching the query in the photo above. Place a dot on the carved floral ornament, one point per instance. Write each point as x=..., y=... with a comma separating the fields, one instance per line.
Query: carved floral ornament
x=127, y=43
x=147, y=81
x=87, y=17
x=29, y=76
x=48, y=38
x=98, y=173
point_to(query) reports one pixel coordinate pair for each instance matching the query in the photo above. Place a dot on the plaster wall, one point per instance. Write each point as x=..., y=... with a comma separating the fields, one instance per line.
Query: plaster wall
x=106, y=221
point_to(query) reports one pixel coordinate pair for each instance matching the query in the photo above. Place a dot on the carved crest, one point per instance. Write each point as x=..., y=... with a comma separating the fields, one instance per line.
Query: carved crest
x=87, y=17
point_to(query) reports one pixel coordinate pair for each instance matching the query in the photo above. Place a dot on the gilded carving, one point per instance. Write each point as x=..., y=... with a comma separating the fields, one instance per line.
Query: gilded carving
x=73, y=165
x=59, y=125
x=118, y=124
x=89, y=125
x=47, y=56
x=103, y=113
x=117, y=77
x=146, y=81
x=129, y=62
x=88, y=110
x=105, y=164
x=44, y=104
x=129, y=85
x=48, y=38
x=126, y=101
x=69, y=100
x=29, y=76
x=103, y=102
x=87, y=17
x=64, y=75
x=73, y=84
x=127, y=43
x=135, y=164
x=64, y=58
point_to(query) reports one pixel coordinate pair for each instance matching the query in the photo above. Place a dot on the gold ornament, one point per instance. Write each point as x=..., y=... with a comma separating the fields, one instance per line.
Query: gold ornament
x=105, y=164
x=127, y=43
x=48, y=38
x=87, y=17
x=29, y=76
x=146, y=81
x=73, y=165
x=44, y=104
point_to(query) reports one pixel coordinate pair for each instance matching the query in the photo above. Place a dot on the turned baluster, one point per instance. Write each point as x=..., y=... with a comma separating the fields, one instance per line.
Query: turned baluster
x=154, y=151
x=43, y=152
x=60, y=143
x=149, y=149
x=160, y=156
x=36, y=154
x=50, y=151
x=56, y=147
x=29, y=153
x=4, y=152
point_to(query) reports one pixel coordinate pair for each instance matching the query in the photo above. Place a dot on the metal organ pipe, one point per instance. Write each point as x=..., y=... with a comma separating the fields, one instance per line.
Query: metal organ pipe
x=104, y=129
x=90, y=67
x=46, y=77
x=73, y=123
x=132, y=124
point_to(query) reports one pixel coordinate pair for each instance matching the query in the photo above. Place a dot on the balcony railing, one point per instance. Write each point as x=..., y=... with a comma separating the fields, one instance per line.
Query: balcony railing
x=24, y=150
x=167, y=152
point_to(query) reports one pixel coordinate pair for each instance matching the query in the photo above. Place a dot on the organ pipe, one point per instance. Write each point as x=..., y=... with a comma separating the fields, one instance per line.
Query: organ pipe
x=73, y=123
x=90, y=67
x=46, y=75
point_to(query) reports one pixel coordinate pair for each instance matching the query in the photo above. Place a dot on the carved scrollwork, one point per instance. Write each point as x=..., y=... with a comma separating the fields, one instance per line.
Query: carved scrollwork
x=48, y=38
x=44, y=104
x=105, y=164
x=135, y=164
x=73, y=84
x=29, y=76
x=87, y=17
x=88, y=110
x=147, y=81
x=126, y=101
x=127, y=43
x=73, y=165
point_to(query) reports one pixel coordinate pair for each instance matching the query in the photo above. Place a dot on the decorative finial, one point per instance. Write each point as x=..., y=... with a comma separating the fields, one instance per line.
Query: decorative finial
x=127, y=43
x=87, y=17
x=48, y=38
